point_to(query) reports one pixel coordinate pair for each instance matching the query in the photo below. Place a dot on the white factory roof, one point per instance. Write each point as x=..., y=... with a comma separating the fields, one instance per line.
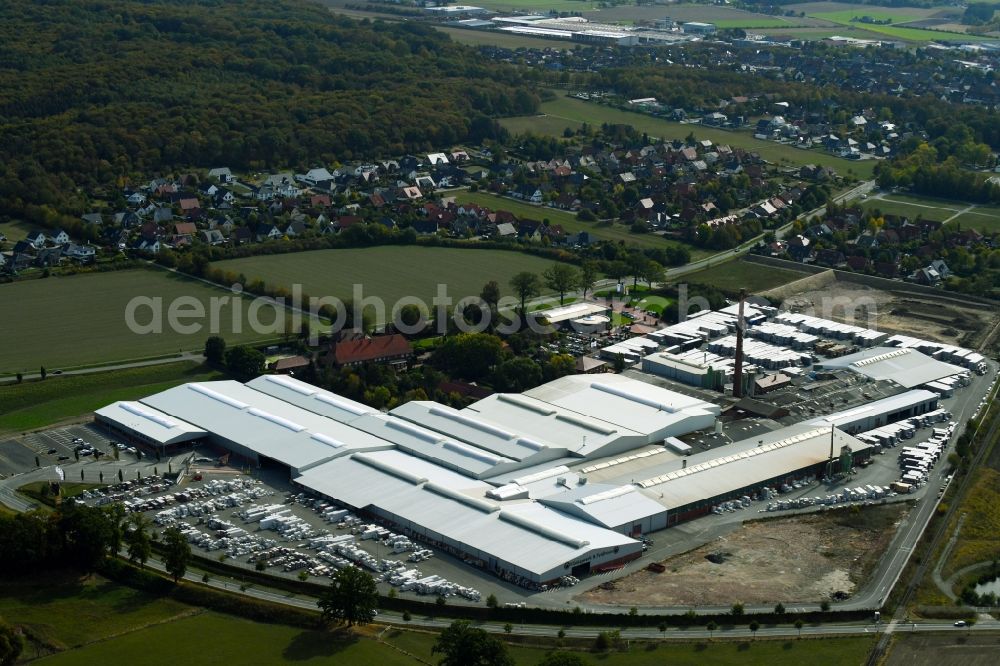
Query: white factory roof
x=269, y=426
x=569, y=312
x=741, y=464
x=907, y=367
x=311, y=398
x=491, y=436
x=151, y=423
x=608, y=505
x=650, y=410
x=526, y=534
x=888, y=405
x=432, y=445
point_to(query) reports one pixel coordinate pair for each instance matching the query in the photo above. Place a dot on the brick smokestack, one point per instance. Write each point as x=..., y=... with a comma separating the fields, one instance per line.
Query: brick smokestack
x=738, y=371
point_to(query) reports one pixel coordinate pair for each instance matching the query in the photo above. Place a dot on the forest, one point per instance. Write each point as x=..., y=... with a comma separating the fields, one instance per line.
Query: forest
x=100, y=92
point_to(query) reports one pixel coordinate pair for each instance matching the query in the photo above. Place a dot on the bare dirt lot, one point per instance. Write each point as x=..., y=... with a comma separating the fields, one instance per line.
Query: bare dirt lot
x=803, y=558
x=908, y=314
x=958, y=649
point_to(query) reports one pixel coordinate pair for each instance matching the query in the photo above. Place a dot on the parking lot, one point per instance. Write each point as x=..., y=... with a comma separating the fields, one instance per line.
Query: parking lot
x=59, y=446
x=261, y=520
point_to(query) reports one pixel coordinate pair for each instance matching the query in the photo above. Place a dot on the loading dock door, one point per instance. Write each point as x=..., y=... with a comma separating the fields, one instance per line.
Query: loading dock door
x=581, y=570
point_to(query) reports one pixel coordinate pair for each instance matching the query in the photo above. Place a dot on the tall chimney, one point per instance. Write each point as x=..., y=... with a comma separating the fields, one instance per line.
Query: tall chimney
x=738, y=372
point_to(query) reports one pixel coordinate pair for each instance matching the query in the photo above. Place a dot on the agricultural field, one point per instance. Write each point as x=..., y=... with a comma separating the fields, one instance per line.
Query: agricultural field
x=570, y=223
x=722, y=17
x=574, y=112
x=34, y=404
x=64, y=322
x=958, y=649
x=540, y=6
x=390, y=272
x=908, y=23
x=734, y=275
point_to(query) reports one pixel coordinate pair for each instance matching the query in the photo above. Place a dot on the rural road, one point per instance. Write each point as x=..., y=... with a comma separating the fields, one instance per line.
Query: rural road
x=724, y=631
x=182, y=356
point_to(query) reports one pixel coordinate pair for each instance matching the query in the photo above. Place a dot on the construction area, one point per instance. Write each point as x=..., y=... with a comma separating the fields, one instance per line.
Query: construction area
x=822, y=556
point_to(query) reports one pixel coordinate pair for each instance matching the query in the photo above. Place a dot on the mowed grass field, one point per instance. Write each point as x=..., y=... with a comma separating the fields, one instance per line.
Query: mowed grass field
x=570, y=223
x=34, y=404
x=92, y=620
x=737, y=274
x=389, y=272
x=980, y=217
x=61, y=322
x=574, y=112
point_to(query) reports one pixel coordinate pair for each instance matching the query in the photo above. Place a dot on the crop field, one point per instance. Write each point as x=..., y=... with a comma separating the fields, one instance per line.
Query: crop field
x=389, y=273
x=721, y=16
x=570, y=223
x=734, y=275
x=540, y=6
x=958, y=649
x=979, y=538
x=62, y=322
x=898, y=27
x=570, y=110
x=34, y=404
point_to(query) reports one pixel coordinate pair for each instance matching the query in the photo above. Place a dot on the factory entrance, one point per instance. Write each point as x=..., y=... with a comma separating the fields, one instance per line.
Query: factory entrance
x=581, y=570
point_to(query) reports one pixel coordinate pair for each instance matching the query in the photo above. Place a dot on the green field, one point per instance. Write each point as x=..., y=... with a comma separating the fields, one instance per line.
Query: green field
x=14, y=231
x=94, y=621
x=569, y=222
x=389, y=272
x=574, y=112
x=35, y=404
x=540, y=6
x=62, y=322
x=63, y=610
x=843, y=17
x=66, y=491
x=733, y=275
x=980, y=217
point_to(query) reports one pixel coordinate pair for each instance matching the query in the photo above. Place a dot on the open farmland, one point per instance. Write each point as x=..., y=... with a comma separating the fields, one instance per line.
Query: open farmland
x=34, y=404
x=820, y=554
x=389, y=273
x=734, y=275
x=62, y=322
x=569, y=222
x=574, y=112
x=721, y=16
x=957, y=649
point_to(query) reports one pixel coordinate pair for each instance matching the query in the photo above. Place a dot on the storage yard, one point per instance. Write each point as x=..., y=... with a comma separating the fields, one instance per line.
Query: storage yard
x=823, y=556
x=578, y=476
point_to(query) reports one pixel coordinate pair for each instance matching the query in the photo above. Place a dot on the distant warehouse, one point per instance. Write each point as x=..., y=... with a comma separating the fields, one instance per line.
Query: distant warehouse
x=697, y=28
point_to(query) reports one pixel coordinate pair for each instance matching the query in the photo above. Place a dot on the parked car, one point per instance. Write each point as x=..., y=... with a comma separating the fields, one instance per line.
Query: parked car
x=63, y=457
x=51, y=451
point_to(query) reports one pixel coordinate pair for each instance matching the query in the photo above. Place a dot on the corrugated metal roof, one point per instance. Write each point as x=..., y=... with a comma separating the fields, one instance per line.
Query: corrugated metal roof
x=907, y=367
x=311, y=398
x=152, y=423
x=272, y=427
x=524, y=534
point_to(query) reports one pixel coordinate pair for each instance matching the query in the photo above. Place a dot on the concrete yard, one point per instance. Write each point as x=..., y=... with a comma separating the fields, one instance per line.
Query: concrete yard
x=802, y=558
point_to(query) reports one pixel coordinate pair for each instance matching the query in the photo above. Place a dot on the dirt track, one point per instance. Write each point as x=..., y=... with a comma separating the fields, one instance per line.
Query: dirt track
x=803, y=558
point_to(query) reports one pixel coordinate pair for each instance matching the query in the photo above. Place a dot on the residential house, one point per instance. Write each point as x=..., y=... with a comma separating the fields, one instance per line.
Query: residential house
x=95, y=219
x=266, y=231
x=49, y=256
x=288, y=365
x=36, y=239
x=213, y=237
x=393, y=349
x=222, y=174
x=60, y=237
x=80, y=253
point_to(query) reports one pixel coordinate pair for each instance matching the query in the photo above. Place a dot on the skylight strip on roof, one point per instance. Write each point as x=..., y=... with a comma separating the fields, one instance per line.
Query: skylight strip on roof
x=215, y=395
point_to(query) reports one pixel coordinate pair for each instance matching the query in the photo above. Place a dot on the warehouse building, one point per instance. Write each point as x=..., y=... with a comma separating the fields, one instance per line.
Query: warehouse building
x=906, y=367
x=881, y=412
x=141, y=423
